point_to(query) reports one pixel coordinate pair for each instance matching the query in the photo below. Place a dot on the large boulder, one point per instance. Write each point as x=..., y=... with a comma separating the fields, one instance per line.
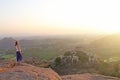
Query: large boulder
x=28, y=72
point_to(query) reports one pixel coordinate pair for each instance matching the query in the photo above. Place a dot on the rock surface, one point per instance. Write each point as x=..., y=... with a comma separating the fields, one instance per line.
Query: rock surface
x=88, y=76
x=28, y=72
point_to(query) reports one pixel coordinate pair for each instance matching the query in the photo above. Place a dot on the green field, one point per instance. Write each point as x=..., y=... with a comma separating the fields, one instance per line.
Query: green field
x=7, y=56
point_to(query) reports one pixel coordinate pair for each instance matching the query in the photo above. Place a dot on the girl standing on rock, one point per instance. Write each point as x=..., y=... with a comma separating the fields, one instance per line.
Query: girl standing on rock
x=18, y=52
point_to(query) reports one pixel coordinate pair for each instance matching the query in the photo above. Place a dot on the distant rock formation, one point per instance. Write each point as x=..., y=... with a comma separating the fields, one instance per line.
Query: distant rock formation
x=69, y=59
x=28, y=72
x=72, y=57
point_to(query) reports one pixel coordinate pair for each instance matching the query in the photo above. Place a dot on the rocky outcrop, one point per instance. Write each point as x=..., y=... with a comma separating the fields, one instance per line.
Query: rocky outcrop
x=88, y=76
x=28, y=72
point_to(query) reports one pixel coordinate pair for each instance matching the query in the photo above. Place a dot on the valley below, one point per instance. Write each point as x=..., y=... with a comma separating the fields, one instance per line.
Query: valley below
x=72, y=57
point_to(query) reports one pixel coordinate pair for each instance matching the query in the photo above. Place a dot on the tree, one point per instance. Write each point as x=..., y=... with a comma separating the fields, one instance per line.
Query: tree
x=58, y=61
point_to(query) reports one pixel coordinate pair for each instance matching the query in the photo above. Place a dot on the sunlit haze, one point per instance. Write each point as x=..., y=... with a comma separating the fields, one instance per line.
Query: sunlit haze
x=52, y=17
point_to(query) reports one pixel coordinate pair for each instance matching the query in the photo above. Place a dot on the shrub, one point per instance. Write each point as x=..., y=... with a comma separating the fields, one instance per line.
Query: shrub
x=58, y=61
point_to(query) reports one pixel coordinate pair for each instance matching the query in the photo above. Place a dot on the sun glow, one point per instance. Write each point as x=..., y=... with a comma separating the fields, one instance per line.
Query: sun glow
x=59, y=16
x=110, y=30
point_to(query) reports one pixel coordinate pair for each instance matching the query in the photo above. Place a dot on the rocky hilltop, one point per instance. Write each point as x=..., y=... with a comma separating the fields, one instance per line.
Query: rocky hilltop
x=88, y=76
x=27, y=72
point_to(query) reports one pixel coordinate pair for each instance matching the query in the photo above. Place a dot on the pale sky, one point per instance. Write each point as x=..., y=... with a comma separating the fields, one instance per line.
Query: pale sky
x=51, y=17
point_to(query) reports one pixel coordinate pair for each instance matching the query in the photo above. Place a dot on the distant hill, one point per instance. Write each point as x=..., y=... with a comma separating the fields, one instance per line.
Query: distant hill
x=106, y=47
x=45, y=48
x=7, y=43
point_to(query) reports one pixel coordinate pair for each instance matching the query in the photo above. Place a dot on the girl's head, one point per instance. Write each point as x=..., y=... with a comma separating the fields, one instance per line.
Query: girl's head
x=16, y=43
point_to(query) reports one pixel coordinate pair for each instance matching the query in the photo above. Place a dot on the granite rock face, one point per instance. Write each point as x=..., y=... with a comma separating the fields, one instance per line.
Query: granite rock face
x=28, y=72
x=88, y=76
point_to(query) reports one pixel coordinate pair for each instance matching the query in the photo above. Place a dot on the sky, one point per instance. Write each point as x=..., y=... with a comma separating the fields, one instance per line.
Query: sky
x=52, y=17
